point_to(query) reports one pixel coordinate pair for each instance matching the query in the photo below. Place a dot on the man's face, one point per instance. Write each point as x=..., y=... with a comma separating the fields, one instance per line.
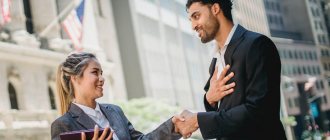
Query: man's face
x=203, y=21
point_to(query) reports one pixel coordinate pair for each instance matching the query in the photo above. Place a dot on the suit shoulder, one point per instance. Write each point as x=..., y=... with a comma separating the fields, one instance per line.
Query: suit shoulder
x=112, y=106
x=255, y=36
x=63, y=120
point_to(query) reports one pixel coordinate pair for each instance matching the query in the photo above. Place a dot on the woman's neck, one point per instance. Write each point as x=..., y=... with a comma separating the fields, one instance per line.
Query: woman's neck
x=91, y=103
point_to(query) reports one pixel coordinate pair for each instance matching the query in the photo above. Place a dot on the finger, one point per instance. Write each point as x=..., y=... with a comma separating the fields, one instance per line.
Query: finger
x=110, y=135
x=229, y=86
x=224, y=71
x=83, y=136
x=229, y=91
x=96, y=132
x=215, y=73
x=227, y=78
x=104, y=133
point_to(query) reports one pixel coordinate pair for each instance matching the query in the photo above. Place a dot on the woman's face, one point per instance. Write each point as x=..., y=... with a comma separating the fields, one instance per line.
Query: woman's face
x=90, y=84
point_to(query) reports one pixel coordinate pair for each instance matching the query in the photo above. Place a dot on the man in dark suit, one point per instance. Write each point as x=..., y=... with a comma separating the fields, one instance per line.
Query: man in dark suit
x=252, y=110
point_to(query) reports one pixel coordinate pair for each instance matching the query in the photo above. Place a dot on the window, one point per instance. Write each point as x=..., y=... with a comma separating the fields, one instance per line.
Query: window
x=290, y=103
x=12, y=97
x=51, y=98
x=28, y=15
x=325, y=100
x=99, y=8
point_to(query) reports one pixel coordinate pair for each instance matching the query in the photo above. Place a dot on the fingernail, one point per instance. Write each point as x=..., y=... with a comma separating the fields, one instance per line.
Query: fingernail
x=228, y=66
x=96, y=126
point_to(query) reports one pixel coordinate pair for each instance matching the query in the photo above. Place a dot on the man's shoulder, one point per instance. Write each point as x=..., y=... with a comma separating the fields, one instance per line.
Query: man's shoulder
x=251, y=35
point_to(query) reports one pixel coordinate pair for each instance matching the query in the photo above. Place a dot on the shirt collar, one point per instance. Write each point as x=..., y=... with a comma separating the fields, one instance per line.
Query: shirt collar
x=229, y=37
x=88, y=110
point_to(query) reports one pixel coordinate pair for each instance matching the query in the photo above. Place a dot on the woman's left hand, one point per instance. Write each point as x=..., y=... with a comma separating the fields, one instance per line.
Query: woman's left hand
x=96, y=134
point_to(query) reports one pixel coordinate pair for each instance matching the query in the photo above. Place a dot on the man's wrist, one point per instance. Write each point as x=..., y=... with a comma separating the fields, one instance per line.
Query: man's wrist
x=209, y=100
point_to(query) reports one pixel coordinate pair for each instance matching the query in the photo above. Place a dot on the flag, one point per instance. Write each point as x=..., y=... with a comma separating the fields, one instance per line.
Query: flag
x=5, y=11
x=73, y=25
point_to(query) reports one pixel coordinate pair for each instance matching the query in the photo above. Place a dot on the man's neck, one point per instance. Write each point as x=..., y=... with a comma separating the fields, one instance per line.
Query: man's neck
x=223, y=33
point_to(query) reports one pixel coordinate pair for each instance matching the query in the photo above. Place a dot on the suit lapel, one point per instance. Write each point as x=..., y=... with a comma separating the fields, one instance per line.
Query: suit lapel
x=211, y=71
x=234, y=42
x=115, y=121
x=82, y=118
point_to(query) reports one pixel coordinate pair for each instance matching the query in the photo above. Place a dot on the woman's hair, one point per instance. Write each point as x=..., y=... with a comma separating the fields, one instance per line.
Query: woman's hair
x=74, y=65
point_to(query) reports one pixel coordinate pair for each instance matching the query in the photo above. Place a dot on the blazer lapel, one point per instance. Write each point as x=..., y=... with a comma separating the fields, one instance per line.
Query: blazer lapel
x=82, y=118
x=115, y=121
x=236, y=39
x=211, y=71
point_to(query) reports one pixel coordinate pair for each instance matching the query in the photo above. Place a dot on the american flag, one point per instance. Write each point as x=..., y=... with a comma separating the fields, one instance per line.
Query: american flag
x=72, y=25
x=5, y=11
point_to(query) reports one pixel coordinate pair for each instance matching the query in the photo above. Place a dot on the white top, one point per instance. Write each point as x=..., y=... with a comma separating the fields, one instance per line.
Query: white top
x=97, y=116
x=220, y=53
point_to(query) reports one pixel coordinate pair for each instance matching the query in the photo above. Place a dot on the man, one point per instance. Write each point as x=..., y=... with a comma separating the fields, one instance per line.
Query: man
x=252, y=111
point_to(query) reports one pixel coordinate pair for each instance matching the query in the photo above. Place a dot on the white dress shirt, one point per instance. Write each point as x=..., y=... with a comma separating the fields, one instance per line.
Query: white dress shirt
x=220, y=53
x=97, y=116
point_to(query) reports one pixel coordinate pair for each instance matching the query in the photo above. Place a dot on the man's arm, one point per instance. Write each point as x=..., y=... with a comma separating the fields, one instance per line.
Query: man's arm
x=217, y=124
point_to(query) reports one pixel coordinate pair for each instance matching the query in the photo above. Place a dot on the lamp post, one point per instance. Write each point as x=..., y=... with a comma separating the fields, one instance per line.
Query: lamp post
x=288, y=130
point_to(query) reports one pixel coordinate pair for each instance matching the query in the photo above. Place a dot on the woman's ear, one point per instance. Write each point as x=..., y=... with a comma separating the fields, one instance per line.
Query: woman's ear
x=215, y=8
x=73, y=79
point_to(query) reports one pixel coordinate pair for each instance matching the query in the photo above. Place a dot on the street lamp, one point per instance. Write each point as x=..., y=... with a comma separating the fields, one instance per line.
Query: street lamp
x=284, y=111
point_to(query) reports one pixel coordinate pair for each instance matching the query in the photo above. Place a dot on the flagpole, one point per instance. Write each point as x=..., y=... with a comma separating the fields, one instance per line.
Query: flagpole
x=63, y=13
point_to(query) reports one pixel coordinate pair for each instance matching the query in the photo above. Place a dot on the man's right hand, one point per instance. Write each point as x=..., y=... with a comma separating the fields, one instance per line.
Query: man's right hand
x=218, y=88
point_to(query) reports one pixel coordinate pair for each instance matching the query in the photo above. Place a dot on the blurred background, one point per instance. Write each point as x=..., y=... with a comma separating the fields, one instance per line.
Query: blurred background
x=154, y=65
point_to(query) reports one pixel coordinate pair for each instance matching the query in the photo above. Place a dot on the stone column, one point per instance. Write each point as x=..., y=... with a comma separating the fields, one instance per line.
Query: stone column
x=35, y=85
x=5, y=103
x=43, y=13
x=17, y=16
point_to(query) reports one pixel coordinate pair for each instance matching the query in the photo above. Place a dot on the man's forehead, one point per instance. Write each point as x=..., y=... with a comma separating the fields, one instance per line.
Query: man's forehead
x=195, y=7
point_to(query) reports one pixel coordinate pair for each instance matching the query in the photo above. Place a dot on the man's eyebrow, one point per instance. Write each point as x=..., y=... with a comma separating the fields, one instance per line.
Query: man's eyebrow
x=194, y=13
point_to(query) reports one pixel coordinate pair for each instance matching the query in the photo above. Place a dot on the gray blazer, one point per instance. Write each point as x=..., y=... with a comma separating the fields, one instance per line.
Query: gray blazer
x=75, y=119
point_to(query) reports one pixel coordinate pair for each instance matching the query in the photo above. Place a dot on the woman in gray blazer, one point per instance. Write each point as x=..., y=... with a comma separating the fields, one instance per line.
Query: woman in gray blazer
x=79, y=83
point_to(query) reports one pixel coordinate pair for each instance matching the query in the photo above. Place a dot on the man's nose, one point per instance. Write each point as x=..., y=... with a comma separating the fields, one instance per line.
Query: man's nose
x=194, y=26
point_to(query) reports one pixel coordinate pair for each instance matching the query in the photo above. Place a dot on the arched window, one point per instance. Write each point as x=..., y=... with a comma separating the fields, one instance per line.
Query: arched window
x=12, y=96
x=51, y=98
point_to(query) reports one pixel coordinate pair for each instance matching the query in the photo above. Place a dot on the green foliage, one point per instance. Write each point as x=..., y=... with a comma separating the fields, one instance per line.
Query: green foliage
x=146, y=114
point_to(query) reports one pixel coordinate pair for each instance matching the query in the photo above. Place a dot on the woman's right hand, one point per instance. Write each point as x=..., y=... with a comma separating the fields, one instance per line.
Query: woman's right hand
x=218, y=88
x=96, y=134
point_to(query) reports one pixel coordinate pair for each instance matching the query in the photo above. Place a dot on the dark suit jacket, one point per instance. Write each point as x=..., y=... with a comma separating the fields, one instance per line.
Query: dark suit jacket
x=252, y=112
x=75, y=119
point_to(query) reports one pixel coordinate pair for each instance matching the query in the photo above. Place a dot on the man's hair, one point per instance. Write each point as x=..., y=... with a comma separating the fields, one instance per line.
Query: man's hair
x=225, y=5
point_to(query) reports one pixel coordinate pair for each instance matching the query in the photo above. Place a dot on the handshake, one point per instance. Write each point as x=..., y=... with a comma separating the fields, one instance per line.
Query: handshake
x=186, y=123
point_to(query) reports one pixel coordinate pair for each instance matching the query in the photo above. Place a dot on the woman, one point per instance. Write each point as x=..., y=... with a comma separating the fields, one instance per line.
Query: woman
x=79, y=83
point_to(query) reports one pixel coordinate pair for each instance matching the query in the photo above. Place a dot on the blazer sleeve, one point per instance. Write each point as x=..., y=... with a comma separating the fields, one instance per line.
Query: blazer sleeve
x=225, y=122
x=58, y=127
x=163, y=132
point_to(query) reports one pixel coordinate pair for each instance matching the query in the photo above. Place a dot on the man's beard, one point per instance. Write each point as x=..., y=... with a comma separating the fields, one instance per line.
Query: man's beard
x=212, y=25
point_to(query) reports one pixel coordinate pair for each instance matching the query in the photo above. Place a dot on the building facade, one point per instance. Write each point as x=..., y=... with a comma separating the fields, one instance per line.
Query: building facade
x=29, y=60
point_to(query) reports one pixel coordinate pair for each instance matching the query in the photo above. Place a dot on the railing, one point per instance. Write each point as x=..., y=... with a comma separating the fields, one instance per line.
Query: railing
x=16, y=124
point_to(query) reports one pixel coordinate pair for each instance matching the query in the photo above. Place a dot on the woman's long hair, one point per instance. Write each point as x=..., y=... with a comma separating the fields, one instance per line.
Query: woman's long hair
x=74, y=65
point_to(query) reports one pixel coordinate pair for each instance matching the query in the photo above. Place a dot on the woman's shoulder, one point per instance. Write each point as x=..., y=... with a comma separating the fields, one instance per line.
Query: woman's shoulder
x=63, y=120
x=112, y=107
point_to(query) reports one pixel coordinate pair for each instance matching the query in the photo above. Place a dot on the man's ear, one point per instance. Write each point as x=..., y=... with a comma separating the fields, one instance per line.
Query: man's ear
x=215, y=8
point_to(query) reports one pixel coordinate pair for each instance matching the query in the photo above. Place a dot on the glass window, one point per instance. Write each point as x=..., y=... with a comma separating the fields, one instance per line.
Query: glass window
x=167, y=4
x=51, y=98
x=12, y=97
x=290, y=103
